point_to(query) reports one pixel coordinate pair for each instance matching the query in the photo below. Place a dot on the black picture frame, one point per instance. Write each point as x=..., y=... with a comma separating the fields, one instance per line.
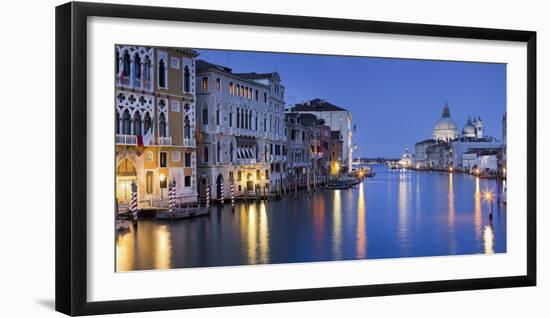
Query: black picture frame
x=71, y=157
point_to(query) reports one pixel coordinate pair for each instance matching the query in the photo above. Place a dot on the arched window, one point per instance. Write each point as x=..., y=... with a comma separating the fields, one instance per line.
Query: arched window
x=186, y=80
x=242, y=119
x=126, y=123
x=186, y=128
x=256, y=121
x=265, y=153
x=137, y=66
x=147, y=72
x=147, y=123
x=162, y=74
x=230, y=119
x=218, y=152
x=137, y=124
x=205, y=154
x=117, y=123
x=238, y=118
x=265, y=123
x=162, y=125
x=117, y=62
x=205, y=114
x=250, y=120
x=231, y=152
x=126, y=64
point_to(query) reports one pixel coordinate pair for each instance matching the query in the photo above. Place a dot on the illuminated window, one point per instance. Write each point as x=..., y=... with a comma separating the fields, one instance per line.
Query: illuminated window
x=231, y=89
x=218, y=84
x=205, y=83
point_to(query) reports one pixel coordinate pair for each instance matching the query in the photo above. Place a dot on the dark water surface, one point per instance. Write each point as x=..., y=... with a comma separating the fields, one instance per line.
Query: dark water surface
x=395, y=214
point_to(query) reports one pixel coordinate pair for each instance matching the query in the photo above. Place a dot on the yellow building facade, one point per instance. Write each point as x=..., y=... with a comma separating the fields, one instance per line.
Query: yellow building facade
x=155, y=123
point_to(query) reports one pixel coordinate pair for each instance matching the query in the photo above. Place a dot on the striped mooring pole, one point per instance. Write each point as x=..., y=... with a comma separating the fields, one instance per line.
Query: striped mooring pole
x=172, y=196
x=208, y=196
x=134, y=201
x=232, y=189
x=222, y=192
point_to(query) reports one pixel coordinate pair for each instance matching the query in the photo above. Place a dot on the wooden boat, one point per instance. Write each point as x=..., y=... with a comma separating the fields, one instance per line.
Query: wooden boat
x=342, y=184
x=182, y=213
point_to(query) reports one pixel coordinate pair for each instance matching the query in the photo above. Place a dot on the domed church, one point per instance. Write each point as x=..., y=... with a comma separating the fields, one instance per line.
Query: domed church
x=445, y=128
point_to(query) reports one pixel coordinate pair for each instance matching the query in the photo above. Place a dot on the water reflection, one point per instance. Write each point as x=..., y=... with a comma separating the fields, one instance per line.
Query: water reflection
x=488, y=238
x=255, y=233
x=337, y=224
x=394, y=214
x=404, y=210
x=451, y=216
x=477, y=211
x=361, y=224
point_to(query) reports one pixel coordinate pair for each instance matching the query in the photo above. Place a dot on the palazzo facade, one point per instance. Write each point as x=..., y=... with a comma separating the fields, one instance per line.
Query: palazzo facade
x=240, y=131
x=155, y=123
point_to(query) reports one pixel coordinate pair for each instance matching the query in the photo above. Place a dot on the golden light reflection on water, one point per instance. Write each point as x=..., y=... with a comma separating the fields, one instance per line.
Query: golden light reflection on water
x=151, y=250
x=451, y=216
x=264, y=235
x=477, y=211
x=488, y=238
x=125, y=248
x=255, y=233
x=337, y=224
x=162, y=248
x=361, y=224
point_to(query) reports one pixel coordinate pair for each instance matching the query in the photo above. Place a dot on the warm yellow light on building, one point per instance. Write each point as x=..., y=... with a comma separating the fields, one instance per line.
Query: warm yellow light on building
x=488, y=196
x=162, y=177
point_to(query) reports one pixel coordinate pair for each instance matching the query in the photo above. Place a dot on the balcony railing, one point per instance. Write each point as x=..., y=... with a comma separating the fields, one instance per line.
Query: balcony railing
x=165, y=141
x=246, y=161
x=136, y=83
x=189, y=143
x=126, y=139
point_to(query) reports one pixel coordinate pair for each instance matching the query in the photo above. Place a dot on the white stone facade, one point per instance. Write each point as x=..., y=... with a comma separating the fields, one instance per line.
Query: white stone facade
x=241, y=131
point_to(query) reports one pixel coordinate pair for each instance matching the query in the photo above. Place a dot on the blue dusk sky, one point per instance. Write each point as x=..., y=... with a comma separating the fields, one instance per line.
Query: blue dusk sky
x=394, y=102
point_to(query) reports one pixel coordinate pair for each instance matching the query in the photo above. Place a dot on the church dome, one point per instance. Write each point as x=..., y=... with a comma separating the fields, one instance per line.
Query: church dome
x=469, y=130
x=445, y=129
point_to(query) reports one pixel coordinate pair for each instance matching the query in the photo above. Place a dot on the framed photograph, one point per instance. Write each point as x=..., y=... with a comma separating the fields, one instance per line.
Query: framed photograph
x=209, y=158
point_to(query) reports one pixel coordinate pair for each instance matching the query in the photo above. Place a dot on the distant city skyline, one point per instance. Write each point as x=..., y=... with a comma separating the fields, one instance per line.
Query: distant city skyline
x=394, y=102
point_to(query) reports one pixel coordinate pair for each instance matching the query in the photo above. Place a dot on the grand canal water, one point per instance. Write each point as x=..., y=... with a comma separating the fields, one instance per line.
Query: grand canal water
x=395, y=214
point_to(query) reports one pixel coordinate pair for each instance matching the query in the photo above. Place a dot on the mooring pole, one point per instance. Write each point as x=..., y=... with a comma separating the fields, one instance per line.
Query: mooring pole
x=134, y=202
